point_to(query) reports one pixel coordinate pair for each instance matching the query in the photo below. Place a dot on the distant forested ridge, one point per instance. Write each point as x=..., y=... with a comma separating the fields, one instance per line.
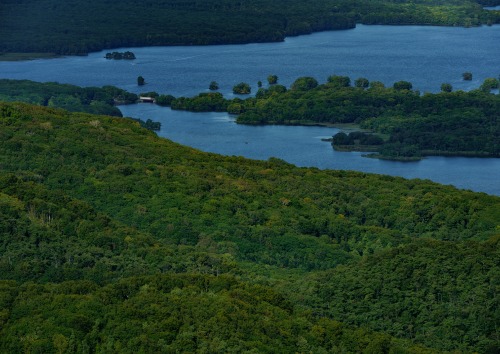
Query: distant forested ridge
x=75, y=27
x=115, y=240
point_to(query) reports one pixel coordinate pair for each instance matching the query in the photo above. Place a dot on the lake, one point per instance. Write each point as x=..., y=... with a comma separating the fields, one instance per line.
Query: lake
x=302, y=146
x=424, y=55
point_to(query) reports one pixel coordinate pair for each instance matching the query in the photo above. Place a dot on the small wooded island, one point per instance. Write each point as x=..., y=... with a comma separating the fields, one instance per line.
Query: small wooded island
x=119, y=55
x=404, y=124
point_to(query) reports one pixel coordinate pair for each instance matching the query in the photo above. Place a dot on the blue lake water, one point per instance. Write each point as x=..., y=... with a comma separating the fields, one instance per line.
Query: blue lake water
x=424, y=55
x=302, y=146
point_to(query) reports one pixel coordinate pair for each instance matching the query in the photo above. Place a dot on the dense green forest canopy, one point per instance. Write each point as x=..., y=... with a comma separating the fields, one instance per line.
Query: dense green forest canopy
x=96, y=100
x=423, y=278
x=115, y=240
x=78, y=27
x=412, y=123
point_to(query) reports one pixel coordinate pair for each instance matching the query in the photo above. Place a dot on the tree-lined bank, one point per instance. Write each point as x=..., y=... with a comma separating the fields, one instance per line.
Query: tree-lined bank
x=75, y=28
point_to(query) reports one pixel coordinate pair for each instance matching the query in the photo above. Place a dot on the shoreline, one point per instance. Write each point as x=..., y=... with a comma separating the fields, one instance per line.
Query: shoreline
x=28, y=56
x=19, y=56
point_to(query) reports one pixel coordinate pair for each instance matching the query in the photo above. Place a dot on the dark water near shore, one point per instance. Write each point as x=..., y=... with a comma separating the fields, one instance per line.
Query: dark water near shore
x=425, y=56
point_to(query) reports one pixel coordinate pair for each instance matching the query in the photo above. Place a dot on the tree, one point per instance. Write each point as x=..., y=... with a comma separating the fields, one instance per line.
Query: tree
x=259, y=84
x=242, y=88
x=152, y=94
x=402, y=85
x=467, y=76
x=164, y=100
x=377, y=85
x=272, y=79
x=362, y=82
x=304, y=83
x=118, y=55
x=261, y=93
x=446, y=87
x=277, y=89
x=234, y=108
x=128, y=55
x=214, y=86
x=140, y=81
x=489, y=84
x=339, y=81
x=340, y=138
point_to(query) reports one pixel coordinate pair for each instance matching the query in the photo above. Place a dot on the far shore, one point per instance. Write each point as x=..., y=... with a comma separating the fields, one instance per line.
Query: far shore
x=27, y=56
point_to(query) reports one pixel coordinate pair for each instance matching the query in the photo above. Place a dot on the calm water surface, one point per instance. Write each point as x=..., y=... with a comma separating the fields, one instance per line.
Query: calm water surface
x=425, y=56
x=302, y=146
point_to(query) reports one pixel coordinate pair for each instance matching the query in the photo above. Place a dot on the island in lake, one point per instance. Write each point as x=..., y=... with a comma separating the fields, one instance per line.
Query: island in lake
x=400, y=123
x=119, y=55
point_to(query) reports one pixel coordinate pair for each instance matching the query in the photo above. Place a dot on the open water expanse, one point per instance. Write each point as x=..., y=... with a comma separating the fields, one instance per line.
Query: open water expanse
x=424, y=55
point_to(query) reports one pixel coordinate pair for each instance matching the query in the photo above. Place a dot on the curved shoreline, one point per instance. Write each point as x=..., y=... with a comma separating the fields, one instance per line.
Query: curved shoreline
x=26, y=56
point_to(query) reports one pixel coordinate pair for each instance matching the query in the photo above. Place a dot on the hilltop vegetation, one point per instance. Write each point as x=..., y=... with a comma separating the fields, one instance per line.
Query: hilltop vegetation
x=74, y=27
x=95, y=100
x=70, y=97
x=115, y=240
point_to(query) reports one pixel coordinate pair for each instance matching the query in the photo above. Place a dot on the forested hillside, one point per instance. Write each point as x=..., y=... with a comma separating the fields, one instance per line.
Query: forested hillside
x=77, y=27
x=73, y=98
x=95, y=100
x=115, y=240
x=418, y=291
